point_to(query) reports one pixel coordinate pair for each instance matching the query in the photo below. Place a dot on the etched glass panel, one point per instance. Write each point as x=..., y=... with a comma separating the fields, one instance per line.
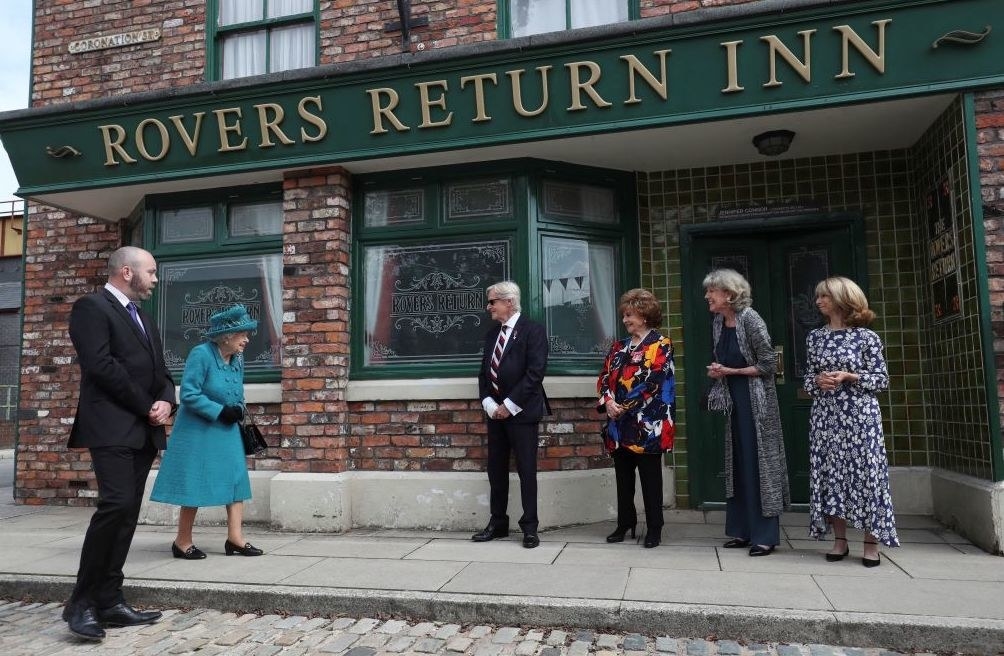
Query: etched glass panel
x=254, y=219
x=394, y=208
x=189, y=292
x=580, y=202
x=186, y=225
x=579, y=305
x=805, y=269
x=478, y=200
x=426, y=303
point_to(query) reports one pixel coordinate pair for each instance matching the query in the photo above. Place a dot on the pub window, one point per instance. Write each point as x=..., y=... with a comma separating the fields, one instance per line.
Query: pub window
x=427, y=248
x=252, y=37
x=526, y=17
x=215, y=249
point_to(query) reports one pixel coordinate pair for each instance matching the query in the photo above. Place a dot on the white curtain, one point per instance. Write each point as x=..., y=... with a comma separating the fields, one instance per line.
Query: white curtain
x=277, y=8
x=602, y=279
x=587, y=13
x=244, y=55
x=537, y=16
x=233, y=12
x=291, y=48
x=272, y=268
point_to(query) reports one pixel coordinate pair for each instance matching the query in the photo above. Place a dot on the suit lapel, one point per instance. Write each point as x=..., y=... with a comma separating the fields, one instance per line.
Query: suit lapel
x=124, y=315
x=510, y=340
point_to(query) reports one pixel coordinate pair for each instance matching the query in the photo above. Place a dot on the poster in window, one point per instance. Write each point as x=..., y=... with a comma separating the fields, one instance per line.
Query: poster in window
x=943, y=253
x=426, y=303
x=193, y=290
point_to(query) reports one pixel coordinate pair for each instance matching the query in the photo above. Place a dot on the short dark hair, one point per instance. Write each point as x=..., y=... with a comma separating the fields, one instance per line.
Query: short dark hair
x=644, y=303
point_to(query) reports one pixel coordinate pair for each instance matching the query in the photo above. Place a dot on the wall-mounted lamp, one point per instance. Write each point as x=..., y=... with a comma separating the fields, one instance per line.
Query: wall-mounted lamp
x=774, y=142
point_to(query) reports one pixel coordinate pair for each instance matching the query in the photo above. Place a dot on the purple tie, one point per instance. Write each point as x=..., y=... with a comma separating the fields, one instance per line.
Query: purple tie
x=134, y=313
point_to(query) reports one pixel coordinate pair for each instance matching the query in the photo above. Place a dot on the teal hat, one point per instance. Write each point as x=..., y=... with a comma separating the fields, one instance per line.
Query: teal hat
x=234, y=319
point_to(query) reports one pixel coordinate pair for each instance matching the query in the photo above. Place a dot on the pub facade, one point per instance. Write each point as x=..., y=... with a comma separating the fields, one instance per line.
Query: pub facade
x=356, y=173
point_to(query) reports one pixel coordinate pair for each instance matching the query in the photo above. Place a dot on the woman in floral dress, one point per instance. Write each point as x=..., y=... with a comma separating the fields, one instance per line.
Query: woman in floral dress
x=848, y=468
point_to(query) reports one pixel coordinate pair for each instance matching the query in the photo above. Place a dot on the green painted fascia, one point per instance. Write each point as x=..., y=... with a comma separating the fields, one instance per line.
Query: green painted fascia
x=983, y=289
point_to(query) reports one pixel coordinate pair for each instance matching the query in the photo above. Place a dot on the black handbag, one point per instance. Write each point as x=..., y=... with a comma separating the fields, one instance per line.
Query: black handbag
x=252, y=438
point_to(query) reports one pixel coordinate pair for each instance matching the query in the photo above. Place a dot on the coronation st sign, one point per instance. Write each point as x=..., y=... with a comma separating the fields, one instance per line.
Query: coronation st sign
x=777, y=62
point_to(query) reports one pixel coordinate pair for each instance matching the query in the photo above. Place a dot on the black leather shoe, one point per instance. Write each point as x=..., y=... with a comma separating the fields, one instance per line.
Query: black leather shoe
x=247, y=550
x=653, y=539
x=490, y=533
x=84, y=624
x=757, y=550
x=530, y=540
x=736, y=543
x=618, y=535
x=125, y=615
x=191, y=553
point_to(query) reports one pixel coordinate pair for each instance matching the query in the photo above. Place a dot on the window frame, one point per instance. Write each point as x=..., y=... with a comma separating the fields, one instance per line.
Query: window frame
x=525, y=230
x=504, y=16
x=215, y=34
x=146, y=225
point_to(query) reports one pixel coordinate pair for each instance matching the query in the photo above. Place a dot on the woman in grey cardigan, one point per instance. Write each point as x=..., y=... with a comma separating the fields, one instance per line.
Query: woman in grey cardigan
x=756, y=476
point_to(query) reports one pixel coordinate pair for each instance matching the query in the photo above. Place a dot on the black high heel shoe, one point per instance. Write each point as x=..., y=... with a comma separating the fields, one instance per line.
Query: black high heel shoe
x=618, y=535
x=247, y=550
x=871, y=562
x=834, y=557
x=653, y=538
x=191, y=553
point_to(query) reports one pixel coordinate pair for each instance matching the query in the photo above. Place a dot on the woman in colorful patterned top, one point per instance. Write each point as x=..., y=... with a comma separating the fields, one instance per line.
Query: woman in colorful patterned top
x=637, y=393
x=848, y=468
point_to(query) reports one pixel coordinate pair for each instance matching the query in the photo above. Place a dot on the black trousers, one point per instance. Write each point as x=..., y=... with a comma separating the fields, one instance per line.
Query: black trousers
x=504, y=438
x=121, y=473
x=649, y=468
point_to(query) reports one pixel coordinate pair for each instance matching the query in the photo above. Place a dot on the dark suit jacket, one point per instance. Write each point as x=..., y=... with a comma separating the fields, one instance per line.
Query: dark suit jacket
x=122, y=374
x=521, y=369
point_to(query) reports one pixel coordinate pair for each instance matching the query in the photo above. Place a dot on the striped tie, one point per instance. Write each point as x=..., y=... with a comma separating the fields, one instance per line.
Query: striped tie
x=493, y=373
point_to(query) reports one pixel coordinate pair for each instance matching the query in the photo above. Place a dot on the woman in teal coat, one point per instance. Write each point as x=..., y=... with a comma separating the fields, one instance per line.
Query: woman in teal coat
x=204, y=464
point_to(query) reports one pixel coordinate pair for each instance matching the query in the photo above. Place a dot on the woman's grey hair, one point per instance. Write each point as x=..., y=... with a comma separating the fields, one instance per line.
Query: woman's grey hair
x=734, y=284
x=506, y=289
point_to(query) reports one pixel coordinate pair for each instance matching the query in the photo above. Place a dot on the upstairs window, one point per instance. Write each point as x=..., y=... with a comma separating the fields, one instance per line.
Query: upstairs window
x=252, y=37
x=526, y=17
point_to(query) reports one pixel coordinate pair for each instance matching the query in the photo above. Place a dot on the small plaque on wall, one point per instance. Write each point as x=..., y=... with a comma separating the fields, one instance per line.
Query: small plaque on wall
x=105, y=41
x=942, y=252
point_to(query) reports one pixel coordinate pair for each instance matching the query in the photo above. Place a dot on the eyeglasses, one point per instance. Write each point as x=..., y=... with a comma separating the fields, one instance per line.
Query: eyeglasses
x=493, y=301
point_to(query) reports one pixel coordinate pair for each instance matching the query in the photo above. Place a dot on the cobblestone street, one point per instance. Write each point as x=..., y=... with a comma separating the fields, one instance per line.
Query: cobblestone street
x=37, y=630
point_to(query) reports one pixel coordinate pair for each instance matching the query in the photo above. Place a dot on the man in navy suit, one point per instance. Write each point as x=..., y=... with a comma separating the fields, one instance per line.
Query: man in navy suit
x=512, y=393
x=126, y=397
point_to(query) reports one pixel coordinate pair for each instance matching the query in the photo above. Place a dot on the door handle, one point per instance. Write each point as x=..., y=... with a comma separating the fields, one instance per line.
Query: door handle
x=779, y=354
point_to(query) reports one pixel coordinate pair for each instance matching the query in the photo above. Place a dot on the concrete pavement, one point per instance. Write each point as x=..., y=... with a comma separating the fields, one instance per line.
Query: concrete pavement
x=936, y=593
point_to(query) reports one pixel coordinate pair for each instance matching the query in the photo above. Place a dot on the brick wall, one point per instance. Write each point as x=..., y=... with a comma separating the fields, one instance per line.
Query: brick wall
x=450, y=436
x=65, y=257
x=176, y=60
x=990, y=147
x=315, y=334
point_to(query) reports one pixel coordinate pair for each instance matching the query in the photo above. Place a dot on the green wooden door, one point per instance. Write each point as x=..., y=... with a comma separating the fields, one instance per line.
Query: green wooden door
x=783, y=263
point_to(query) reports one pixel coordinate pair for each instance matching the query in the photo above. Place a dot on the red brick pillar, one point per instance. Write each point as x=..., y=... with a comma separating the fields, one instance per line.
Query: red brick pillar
x=65, y=257
x=990, y=146
x=315, y=354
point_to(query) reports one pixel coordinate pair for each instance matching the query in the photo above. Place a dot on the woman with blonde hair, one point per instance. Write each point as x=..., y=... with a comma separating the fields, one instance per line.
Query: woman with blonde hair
x=848, y=467
x=756, y=473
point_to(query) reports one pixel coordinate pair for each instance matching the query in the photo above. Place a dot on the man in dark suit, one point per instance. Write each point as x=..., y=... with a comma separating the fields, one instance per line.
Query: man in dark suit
x=126, y=397
x=512, y=393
